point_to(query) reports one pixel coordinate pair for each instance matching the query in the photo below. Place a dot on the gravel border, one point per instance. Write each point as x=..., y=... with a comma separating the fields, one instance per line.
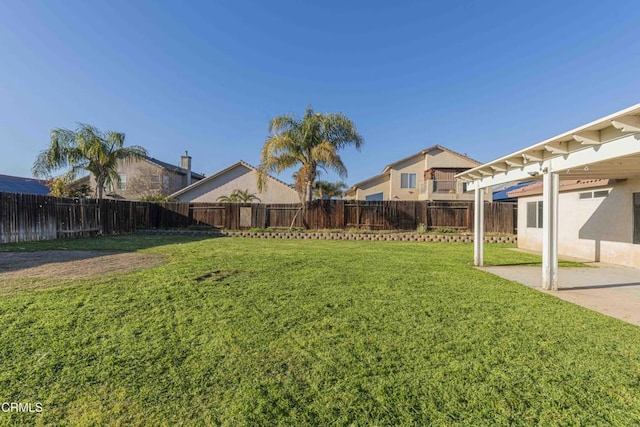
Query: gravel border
x=408, y=237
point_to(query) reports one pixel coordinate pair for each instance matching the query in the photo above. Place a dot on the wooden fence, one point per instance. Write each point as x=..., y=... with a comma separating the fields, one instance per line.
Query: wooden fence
x=25, y=217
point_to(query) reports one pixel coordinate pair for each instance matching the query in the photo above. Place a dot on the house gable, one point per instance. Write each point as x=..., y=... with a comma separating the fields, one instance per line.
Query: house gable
x=440, y=157
x=239, y=176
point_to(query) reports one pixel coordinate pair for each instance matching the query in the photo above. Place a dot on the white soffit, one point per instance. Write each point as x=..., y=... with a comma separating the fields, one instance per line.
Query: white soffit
x=606, y=148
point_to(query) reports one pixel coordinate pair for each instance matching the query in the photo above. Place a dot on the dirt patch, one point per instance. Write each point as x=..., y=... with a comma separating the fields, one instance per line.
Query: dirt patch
x=71, y=264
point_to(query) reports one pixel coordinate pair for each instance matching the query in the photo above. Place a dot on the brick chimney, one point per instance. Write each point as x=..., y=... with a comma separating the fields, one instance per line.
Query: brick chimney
x=185, y=163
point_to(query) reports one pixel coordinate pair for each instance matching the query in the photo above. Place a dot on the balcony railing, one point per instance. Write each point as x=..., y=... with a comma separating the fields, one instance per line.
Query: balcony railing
x=424, y=187
x=439, y=186
x=444, y=186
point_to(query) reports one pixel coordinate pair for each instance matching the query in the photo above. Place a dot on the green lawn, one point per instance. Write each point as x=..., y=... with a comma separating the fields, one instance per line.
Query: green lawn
x=283, y=332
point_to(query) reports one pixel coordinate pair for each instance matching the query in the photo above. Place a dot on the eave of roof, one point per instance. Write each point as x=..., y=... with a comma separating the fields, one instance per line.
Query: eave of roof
x=574, y=184
x=425, y=151
x=368, y=180
x=222, y=172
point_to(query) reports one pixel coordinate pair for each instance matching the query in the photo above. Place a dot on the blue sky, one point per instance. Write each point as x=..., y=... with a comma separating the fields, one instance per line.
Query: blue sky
x=480, y=77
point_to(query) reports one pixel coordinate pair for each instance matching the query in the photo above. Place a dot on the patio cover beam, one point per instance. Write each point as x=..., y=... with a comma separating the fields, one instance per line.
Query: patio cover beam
x=550, y=191
x=478, y=228
x=620, y=147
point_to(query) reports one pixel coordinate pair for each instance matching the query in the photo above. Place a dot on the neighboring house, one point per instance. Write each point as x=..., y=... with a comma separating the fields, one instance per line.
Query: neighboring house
x=149, y=177
x=501, y=192
x=426, y=175
x=17, y=184
x=239, y=176
x=598, y=219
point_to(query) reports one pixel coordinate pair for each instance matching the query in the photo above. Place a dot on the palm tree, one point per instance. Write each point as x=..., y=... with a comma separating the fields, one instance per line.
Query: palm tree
x=311, y=142
x=329, y=189
x=86, y=148
x=238, y=196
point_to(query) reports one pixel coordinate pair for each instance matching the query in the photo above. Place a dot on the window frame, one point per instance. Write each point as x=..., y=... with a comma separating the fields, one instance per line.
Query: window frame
x=374, y=197
x=534, y=214
x=155, y=181
x=122, y=183
x=408, y=178
x=585, y=195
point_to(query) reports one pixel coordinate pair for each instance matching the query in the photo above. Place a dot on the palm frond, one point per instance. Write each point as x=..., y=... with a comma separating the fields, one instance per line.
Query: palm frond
x=86, y=148
x=312, y=143
x=327, y=156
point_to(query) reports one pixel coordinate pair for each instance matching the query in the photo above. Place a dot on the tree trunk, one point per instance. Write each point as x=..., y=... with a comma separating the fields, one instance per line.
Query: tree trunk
x=100, y=186
x=309, y=195
x=305, y=203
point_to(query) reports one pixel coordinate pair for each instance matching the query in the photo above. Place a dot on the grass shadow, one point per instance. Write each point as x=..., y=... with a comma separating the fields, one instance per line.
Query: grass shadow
x=121, y=243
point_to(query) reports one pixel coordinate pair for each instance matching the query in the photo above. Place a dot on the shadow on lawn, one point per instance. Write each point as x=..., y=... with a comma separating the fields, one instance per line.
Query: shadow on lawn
x=122, y=243
x=506, y=264
x=538, y=264
x=105, y=251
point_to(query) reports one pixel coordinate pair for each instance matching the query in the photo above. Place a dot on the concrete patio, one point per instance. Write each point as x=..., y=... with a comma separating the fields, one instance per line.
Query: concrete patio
x=607, y=289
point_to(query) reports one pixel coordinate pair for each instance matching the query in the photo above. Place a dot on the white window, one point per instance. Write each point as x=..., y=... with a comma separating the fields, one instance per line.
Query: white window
x=534, y=214
x=122, y=181
x=587, y=195
x=594, y=195
x=408, y=180
x=154, y=181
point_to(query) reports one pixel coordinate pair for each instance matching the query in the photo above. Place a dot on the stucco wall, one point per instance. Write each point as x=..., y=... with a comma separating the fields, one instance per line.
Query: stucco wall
x=437, y=158
x=413, y=165
x=240, y=178
x=596, y=229
x=380, y=185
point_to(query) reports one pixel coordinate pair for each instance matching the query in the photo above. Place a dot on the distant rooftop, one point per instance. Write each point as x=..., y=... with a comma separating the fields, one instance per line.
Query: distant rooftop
x=501, y=192
x=572, y=184
x=17, y=184
x=174, y=168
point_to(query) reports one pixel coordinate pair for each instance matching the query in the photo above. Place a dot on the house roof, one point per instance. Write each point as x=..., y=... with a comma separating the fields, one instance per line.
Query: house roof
x=173, y=168
x=368, y=180
x=425, y=151
x=533, y=189
x=17, y=184
x=501, y=192
x=222, y=172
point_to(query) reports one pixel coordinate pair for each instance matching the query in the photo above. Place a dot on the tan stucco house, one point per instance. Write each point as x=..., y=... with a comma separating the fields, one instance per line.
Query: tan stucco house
x=426, y=175
x=239, y=176
x=149, y=177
